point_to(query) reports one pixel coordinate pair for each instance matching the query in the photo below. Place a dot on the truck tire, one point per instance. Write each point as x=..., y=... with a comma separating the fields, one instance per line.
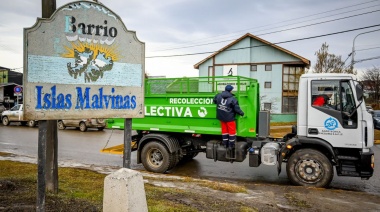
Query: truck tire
x=174, y=160
x=61, y=125
x=82, y=127
x=156, y=157
x=309, y=167
x=6, y=121
x=31, y=123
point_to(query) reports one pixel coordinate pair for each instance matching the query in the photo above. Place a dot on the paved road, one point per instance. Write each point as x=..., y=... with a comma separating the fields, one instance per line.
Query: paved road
x=84, y=147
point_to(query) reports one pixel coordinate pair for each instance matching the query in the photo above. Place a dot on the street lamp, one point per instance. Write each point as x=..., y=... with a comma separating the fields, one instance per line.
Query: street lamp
x=353, y=47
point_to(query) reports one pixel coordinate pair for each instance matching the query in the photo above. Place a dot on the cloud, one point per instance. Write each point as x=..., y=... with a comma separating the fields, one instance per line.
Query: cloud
x=172, y=24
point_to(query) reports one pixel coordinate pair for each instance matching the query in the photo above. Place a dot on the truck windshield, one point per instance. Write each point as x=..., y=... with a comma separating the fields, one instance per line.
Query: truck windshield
x=15, y=108
x=335, y=97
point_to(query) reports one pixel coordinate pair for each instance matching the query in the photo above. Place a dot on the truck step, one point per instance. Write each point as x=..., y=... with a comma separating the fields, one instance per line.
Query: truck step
x=344, y=157
x=348, y=173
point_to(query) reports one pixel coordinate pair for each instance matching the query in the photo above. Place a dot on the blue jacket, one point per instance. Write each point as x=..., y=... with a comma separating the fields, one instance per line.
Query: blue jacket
x=227, y=107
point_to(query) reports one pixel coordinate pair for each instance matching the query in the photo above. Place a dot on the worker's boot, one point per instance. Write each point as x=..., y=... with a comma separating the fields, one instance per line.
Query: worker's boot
x=231, y=146
x=231, y=143
x=225, y=140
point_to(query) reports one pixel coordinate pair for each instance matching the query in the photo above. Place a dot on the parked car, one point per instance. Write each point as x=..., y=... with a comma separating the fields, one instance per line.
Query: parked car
x=16, y=114
x=376, y=119
x=82, y=124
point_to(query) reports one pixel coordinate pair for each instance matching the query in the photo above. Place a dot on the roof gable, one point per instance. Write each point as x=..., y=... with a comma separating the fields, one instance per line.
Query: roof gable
x=304, y=60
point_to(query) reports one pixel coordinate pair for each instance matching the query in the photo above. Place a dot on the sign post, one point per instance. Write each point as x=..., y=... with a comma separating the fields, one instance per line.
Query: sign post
x=80, y=62
x=17, y=92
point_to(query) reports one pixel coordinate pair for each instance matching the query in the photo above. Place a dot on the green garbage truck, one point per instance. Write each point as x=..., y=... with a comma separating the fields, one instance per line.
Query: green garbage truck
x=180, y=122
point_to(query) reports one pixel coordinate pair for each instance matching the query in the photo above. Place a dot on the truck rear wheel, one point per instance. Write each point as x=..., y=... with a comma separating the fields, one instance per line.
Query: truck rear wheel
x=156, y=157
x=31, y=123
x=5, y=121
x=82, y=127
x=61, y=125
x=309, y=167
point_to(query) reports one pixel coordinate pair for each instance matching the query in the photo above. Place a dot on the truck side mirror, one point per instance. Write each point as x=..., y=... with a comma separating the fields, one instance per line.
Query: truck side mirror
x=359, y=92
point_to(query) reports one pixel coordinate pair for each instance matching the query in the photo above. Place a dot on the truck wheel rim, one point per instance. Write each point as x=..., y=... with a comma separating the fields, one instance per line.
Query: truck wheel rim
x=309, y=171
x=155, y=157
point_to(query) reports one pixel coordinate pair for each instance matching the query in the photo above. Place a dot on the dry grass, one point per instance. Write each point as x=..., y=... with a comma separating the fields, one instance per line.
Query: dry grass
x=82, y=190
x=224, y=187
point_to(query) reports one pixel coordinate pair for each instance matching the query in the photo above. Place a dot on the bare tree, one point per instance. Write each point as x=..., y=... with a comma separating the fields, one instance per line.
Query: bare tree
x=371, y=82
x=330, y=63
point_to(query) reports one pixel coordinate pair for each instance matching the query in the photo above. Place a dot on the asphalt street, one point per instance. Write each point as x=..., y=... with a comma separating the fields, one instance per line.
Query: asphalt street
x=75, y=148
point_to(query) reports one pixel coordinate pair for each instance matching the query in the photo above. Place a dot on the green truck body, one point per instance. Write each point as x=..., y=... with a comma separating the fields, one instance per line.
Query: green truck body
x=185, y=105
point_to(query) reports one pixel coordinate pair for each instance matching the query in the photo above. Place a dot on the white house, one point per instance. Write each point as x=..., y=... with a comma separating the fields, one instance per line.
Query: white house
x=276, y=69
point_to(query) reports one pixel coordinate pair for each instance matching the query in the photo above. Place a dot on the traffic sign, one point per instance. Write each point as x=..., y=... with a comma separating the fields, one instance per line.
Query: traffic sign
x=17, y=89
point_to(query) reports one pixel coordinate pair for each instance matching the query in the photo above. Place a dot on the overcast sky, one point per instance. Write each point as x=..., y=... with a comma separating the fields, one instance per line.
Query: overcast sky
x=180, y=27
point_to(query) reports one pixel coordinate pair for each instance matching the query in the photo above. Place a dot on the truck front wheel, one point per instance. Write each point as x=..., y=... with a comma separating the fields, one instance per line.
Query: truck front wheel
x=309, y=167
x=155, y=157
x=5, y=121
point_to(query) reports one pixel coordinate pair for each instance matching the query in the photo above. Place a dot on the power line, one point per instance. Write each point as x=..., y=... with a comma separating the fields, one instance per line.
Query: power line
x=281, y=22
x=281, y=30
x=366, y=59
x=367, y=49
x=307, y=38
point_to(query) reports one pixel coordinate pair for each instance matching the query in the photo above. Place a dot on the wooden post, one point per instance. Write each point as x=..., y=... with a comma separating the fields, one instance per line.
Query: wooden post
x=41, y=183
x=47, y=141
x=127, y=143
x=51, y=173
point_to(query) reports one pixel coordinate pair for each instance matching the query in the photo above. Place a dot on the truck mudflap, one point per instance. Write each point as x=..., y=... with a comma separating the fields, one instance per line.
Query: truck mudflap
x=284, y=152
x=367, y=164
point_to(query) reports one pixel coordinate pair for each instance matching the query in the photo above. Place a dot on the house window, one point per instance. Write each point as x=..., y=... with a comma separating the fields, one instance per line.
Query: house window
x=267, y=106
x=268, y=67
x=290, y=81
x=268, y=85
x=253, y=67
x=289, y=104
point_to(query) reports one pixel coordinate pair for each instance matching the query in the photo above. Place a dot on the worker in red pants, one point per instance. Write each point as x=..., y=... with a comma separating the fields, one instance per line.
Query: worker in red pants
x=227, y=108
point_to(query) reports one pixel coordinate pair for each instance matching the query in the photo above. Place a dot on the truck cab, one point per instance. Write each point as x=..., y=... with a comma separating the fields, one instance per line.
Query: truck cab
x=341, y=130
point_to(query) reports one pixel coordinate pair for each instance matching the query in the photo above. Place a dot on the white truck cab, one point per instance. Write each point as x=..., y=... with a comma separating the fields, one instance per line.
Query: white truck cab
x=333, y=129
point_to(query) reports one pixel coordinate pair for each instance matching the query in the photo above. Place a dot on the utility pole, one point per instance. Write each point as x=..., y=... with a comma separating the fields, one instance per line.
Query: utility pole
x=353, y=47
x=47, y=141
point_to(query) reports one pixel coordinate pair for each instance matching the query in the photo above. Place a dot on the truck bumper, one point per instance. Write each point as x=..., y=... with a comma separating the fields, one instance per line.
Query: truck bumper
x=367, y=165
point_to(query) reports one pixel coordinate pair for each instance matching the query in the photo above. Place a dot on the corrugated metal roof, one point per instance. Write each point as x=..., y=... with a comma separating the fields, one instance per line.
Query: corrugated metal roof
x=8, y=84
x=304, y=60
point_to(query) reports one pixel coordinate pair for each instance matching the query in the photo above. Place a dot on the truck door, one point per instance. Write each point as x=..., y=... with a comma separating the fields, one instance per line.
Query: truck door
x=15, y=113
x=332, y=114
